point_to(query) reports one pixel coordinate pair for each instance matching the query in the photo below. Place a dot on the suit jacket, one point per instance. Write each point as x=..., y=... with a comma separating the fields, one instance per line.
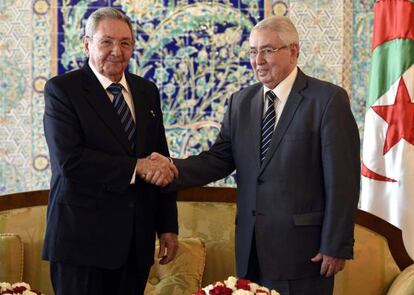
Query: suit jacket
x=93, y=212
x=303, y=198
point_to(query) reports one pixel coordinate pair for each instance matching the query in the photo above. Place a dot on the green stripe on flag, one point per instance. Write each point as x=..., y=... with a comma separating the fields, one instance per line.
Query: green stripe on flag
x=389, y=61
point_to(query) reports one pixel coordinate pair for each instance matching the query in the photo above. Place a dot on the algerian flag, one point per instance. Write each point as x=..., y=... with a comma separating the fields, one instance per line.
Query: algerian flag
x=388, y=150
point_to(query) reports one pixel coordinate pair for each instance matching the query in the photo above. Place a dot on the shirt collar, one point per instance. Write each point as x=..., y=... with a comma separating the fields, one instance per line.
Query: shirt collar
x=282, y=90
x=105, y=82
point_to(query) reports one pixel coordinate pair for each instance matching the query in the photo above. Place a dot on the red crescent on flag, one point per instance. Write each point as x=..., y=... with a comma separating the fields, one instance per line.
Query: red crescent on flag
x=365, y=171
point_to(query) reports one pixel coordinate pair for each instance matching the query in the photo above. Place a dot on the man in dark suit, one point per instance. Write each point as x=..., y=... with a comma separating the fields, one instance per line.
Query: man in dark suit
x=295, y=146
x=100, y=125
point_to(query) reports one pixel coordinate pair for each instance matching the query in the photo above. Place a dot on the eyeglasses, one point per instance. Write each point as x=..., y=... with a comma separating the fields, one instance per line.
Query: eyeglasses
x=107, y=43
x=265, y=52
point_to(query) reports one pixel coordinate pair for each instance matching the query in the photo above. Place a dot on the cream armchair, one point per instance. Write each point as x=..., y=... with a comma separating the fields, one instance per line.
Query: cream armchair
x=206, y=254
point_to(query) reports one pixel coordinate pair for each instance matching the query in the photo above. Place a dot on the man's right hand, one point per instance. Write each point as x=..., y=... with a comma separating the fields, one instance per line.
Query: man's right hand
x=156, y=169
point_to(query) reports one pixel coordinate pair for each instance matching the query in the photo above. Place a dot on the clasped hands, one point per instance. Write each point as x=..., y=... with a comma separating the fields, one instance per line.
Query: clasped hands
x=156, y=169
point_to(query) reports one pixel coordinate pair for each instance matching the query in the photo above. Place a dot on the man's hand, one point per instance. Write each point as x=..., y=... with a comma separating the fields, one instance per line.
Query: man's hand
x=163, y=161
x=168, y=247
x=159, y=171
x=330, y=265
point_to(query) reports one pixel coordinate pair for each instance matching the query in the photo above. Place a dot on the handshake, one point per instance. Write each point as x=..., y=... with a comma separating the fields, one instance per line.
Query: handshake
x=156, y=169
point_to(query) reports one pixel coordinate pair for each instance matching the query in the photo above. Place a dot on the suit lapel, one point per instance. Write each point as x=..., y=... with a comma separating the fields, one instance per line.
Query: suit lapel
x=255, y=126
x=142, y=110
x=98, y=99
x=287, y=116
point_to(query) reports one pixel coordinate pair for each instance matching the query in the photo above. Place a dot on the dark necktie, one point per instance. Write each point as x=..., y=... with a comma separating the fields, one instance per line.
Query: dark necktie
x=268, y=124
x=123, y=111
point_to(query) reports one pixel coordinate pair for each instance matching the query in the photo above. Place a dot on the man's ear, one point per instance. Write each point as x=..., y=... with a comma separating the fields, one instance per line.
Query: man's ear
x=294, y=49
x=86, y=46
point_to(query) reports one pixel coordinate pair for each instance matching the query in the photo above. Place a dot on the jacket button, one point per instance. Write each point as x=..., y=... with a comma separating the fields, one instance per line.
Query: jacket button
x=255, y=213
x=259, y=181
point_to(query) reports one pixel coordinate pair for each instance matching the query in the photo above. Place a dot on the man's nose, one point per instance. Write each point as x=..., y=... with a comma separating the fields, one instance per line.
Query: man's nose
x=116, y=48
x=260, y=59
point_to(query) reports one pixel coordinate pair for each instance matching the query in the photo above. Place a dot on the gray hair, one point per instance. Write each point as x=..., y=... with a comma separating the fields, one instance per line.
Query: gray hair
x=282, y=25
x=105, y=13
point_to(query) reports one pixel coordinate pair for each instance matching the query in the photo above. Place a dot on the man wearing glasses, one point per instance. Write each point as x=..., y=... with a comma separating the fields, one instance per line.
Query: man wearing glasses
x=100, y=125
x=294, y=144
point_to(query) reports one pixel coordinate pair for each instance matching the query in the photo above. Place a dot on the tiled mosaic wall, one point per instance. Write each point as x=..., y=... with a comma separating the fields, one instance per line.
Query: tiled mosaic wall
x=195, y=51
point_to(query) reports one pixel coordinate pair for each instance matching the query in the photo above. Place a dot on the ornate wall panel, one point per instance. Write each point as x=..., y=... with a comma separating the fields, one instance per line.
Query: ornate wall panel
x=15, y=92
x=195, y=51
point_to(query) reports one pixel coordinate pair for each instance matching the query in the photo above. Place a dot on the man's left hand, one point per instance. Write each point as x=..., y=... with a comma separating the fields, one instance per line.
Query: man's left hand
x=330, y=265
x=168, y=247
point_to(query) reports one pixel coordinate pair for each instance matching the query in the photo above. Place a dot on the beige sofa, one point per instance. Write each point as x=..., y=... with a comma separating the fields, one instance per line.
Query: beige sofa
x=206, y=218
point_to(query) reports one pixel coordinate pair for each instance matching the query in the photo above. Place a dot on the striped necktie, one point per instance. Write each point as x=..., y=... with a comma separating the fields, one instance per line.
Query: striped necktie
x=123, y=111
x=268, y=124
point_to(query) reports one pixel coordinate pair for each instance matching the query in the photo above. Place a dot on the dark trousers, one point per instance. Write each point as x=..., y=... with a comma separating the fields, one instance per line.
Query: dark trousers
x=318, y=285
x=81, y=280
x=130, y=279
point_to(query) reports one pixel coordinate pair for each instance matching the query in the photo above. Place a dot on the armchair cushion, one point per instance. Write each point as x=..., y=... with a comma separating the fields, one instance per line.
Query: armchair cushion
x=372, y=254
x=181, y=276
x=404, y=283
x=214, y=223
x=11, y=258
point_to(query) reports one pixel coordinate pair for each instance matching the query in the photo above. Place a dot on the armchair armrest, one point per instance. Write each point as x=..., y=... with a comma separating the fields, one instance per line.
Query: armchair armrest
x=403, y=283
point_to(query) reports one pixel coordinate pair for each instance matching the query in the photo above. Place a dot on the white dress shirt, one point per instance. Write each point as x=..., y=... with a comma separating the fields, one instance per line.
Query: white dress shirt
x=282, y=91
x=105, y=82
